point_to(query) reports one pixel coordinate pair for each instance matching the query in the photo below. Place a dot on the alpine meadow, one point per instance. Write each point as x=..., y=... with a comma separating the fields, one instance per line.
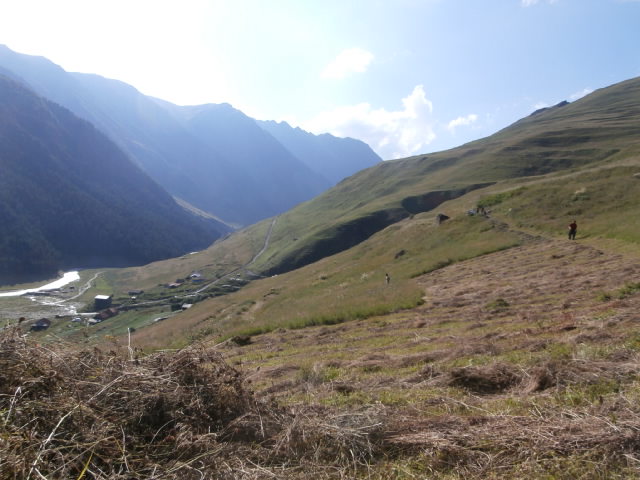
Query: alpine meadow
x=257, y=301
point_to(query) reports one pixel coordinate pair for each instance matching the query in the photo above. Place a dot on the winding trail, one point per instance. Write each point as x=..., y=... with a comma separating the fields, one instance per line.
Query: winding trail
x=267, y=239
x=82, y=289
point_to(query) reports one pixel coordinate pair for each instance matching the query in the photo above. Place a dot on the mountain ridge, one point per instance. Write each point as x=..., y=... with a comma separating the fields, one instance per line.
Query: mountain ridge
x=600, y=127
x=69, y=197
x=332, y=157
x=187, y=163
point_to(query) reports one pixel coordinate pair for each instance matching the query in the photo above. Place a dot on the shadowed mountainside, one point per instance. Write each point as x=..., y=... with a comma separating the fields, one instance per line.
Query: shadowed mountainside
x=70, y=198
x=212, y=156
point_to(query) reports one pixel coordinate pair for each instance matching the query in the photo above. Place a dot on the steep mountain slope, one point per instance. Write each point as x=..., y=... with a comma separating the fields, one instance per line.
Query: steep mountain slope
x=70, y=198
x=332, y=157
x=266, y=173
x=597, y=129
x=212, y=156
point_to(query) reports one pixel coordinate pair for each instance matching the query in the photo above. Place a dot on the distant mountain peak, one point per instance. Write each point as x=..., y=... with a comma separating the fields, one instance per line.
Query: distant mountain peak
x=213, y=156
x=545, y=109
x=333, y=157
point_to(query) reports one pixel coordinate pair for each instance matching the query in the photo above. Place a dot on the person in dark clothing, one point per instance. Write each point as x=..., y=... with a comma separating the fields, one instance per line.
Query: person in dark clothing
x=573, y=228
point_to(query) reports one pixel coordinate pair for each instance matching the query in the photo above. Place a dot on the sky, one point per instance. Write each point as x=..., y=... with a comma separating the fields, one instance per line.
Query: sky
x=406, y=76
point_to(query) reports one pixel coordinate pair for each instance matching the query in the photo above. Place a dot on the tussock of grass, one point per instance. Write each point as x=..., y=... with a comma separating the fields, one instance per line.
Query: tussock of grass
x=498, y=198
x=627, y=290
x=497, y=305
x=183, y=415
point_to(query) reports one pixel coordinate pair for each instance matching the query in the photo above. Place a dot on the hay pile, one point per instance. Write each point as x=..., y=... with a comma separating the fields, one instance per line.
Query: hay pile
x=65, y=412
x=71, y=414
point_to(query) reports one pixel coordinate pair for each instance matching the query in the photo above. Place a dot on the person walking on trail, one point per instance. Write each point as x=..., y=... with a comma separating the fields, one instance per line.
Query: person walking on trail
x=387, y=278
x=573, y=228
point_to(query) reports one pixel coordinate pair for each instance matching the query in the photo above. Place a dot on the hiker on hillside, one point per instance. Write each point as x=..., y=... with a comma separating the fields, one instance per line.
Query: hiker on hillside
x=573, y=228
x=387, y=278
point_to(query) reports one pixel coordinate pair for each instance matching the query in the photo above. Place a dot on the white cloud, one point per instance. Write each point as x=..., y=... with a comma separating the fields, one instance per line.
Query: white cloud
x=578, y=95
x=352, y=60
x=392, y=134
x=540, y=105
x=528, y=3
x=461, y=121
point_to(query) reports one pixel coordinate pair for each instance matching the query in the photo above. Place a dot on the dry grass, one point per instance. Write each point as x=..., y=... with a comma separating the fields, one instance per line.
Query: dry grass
x=93, y=414
x=543, y=384
x=96, y=415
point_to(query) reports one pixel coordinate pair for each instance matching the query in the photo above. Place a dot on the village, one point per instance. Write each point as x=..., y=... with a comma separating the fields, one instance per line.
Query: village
x=136, y=308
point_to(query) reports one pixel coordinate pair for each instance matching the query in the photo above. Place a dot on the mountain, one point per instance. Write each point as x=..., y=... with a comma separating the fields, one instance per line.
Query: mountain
x=600, y=128
x=211, y=156
x=69, y=197
x=594, y=136
x=261, y=172
x=332, y=157
x=577, y=160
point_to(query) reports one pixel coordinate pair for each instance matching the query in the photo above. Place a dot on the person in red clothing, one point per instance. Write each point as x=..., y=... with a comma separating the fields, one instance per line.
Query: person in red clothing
x=573, y=228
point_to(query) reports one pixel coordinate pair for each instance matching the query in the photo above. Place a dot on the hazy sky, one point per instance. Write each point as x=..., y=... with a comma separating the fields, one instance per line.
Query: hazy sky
x=406, y=76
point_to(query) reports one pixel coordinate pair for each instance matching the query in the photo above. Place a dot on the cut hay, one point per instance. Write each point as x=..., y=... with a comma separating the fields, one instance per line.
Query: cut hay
x=70, y=414
x=485, y=380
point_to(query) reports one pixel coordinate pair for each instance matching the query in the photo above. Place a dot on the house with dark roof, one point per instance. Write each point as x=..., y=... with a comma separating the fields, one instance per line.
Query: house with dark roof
x=40, y=325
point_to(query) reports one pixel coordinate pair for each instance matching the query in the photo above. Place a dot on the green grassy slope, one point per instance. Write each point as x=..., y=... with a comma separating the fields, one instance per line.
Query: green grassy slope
x=597, y=130
x=350, y=285
x=344, y=287
x=601, y=127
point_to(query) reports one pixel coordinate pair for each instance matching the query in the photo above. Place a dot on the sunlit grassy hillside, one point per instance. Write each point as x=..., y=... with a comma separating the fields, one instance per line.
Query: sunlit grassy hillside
x=598, y=129
x=595, y=131
x=344, y=287
x=351, y=285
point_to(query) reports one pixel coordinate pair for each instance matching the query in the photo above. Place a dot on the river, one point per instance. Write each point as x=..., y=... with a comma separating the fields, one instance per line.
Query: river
x=61, y=282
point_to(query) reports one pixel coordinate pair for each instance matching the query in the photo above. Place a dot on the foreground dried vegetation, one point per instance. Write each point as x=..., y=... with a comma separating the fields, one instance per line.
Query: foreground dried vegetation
x=93, y=414
x=520, y=364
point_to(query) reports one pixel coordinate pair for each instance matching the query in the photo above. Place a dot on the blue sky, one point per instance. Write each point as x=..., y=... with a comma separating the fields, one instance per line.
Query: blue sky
x=406, y=76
